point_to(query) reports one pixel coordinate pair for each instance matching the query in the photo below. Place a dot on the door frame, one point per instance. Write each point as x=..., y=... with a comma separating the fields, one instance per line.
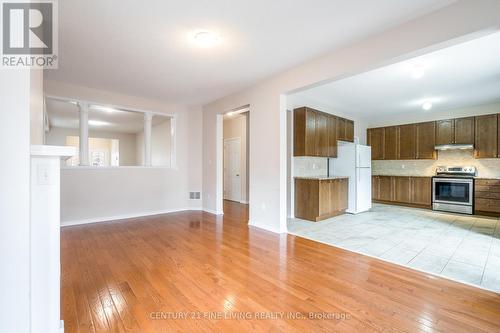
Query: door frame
x=237, y=139
x=219, y=153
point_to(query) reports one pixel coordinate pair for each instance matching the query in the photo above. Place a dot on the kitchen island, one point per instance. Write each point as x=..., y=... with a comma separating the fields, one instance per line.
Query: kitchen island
x=320, y=197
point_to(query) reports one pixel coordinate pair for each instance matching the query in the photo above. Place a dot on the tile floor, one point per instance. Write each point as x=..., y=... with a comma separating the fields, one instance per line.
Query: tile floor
x=459, y=247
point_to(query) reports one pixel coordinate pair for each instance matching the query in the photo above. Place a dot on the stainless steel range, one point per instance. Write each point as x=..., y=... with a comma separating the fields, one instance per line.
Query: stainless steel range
x=453, y=189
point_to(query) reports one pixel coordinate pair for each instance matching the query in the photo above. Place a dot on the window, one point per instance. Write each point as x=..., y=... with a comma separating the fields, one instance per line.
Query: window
x=116, y=137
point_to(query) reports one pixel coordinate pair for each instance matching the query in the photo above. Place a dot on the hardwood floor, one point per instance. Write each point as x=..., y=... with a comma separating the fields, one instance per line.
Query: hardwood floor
x=135, y=275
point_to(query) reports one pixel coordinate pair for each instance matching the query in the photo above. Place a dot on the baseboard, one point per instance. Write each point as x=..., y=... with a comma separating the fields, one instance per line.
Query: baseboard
x=265, y=227
x=213, y=211
x=124, y=216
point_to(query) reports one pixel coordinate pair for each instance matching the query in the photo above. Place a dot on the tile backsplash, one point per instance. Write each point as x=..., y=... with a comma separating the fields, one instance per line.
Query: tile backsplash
x=486, y=168
x=309, y=166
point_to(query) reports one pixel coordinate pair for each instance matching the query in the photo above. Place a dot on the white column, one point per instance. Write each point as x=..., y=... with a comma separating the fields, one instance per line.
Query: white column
x=148, y=123
x=84, y=133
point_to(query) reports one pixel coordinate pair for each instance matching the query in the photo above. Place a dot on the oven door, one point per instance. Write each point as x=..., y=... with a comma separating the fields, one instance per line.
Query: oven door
x=452, y=191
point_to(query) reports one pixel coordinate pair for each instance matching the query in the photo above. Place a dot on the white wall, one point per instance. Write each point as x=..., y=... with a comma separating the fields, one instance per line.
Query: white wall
x=237, y=128
x=268, y=155
x=15, y=200
x=90, y=194
x=57, y=137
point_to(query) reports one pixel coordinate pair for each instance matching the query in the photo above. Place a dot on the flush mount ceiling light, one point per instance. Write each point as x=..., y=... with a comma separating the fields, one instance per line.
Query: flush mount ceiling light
x=418, y=71
x=427, y=106
x=206, y=39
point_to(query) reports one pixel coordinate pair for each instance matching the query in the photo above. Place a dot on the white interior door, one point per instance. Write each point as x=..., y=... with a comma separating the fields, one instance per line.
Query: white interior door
x=232, y=177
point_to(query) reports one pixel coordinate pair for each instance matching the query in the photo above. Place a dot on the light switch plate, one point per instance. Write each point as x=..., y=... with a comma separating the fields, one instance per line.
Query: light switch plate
x=44, y=174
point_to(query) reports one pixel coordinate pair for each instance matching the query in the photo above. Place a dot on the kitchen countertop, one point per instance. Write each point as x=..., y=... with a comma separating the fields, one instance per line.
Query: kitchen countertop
x=322, y=177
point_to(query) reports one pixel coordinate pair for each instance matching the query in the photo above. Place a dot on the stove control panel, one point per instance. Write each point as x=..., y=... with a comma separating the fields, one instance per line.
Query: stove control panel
x=466, y=170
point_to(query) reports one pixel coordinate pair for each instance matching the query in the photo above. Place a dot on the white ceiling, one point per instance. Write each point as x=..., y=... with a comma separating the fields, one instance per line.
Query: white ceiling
x=459, y=76
x=66, y=115
x=142, y=47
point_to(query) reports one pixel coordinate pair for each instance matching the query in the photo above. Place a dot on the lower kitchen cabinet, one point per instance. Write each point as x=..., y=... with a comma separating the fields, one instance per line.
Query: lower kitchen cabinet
x=401, y=190
x=421, y=191
x=487, y=197
x=317, y=199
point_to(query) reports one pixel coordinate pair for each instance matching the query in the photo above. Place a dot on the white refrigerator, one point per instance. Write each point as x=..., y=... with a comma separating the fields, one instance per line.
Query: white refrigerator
x=355, y=161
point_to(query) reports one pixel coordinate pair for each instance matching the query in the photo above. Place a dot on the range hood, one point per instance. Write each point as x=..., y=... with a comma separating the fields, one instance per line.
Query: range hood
x=454, y=146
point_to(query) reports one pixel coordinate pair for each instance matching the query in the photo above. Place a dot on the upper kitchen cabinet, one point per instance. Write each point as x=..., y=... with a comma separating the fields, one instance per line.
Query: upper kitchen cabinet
x=341, y=128
x=464, y=130
x=316, y=133
x=426, y=140
x=321, y=135
x=304, y=133
x=455, y=131
x=407, y=142
x=486, y=136
x=349, y=130
x=391, y=143
x=345, y=129
x=445, y=132
x=375, y=138
x=332, y=135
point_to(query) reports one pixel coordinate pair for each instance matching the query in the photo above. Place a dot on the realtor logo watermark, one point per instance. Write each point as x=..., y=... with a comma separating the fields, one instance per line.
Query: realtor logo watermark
x=29, y=34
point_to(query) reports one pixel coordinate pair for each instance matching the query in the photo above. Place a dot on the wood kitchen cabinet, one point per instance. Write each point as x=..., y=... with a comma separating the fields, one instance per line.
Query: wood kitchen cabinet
x=375, y=187
x=391, y=143
x=486, y=136
x=375, y=138
x=402, y=190
x=349, y=130
x=407, y=142
x=304, y=133
x=426, y=140
x=316, y=133
x=464, y=130
x=421, y=191
x=487, y=197
x=455, y=131
x=317, y=199
x=386, y=188
x=340, y=128
x=445, y=132
x=332, y=135
x=321, y=135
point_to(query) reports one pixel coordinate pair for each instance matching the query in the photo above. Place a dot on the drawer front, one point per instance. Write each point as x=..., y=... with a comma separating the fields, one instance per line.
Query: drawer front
x=481, y=188
x=487, y=182
x=483, y=194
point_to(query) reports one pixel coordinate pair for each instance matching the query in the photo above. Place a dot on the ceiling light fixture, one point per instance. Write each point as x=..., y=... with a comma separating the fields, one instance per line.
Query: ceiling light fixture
x=427, y=106
x=206, y=39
